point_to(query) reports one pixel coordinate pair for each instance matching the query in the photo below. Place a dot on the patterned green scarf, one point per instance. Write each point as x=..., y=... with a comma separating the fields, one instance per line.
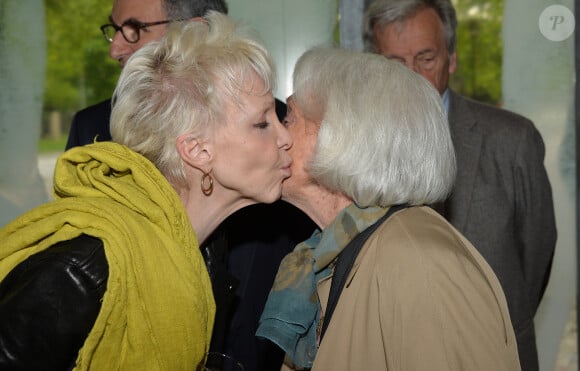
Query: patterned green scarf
x=292, y=311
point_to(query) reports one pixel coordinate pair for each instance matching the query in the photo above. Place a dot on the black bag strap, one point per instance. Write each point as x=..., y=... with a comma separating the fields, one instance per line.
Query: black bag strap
x=345, y=262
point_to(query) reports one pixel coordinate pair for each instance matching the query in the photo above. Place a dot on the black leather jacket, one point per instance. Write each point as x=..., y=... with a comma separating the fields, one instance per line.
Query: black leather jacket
x=50, y=301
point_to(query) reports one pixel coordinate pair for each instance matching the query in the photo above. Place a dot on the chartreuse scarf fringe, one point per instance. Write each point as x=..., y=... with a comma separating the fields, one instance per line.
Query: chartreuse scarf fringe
x=158, y=310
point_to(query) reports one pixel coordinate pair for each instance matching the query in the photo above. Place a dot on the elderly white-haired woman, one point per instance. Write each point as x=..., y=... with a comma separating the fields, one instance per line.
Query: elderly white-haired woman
x=370, y=137
x=110, y=276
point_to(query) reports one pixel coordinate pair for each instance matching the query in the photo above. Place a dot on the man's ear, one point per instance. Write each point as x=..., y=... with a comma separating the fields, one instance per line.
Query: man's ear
x=453, y=63
x=195, y=151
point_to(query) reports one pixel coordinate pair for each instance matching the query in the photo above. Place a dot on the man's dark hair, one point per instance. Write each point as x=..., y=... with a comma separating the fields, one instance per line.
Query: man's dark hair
x=186, y=9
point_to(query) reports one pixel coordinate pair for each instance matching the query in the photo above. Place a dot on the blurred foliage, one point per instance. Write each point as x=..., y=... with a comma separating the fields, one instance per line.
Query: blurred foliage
x=51, y=145
x=479, y=49
x=79, y=71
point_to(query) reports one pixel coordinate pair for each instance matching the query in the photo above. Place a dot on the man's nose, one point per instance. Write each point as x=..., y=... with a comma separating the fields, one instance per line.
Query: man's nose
x=119, y=46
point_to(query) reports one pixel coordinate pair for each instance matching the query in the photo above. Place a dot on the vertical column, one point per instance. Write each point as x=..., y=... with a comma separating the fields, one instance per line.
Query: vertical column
x=22, y=55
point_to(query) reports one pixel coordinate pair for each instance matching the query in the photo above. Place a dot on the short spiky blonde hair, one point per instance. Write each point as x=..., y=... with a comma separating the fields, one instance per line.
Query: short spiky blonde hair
x=180, y=85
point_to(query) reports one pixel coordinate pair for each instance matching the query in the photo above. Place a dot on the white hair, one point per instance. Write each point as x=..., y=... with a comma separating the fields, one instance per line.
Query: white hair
x=384, y=137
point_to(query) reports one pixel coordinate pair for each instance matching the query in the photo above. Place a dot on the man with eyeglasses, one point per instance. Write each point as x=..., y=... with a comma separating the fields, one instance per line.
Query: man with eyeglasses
x=132, y=24
x=243, y=255
x=130, y=29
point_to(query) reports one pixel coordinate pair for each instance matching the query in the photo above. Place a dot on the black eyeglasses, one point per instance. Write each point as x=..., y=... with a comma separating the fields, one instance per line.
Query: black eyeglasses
x=130, y=29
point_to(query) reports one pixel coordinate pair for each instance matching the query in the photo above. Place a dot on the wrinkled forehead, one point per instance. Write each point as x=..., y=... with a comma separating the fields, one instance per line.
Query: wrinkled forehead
x=421, y=31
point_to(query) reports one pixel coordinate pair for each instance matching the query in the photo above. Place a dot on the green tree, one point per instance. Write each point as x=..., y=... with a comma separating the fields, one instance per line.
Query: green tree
x=479, y=49
x=79, y=71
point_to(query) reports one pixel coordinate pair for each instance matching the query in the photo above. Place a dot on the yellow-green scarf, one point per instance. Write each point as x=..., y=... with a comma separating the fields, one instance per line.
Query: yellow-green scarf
x=158, y=309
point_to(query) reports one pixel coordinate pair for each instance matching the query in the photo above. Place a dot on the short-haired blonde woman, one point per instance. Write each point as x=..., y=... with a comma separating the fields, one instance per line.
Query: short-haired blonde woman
x=109, y=276
x=371, y=136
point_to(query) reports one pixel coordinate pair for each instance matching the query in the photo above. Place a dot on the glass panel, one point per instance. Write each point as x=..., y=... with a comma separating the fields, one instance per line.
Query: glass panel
x=538, y=82
x=288, y=28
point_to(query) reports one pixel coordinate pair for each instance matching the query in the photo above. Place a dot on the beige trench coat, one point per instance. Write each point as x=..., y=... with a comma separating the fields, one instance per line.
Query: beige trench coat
x=419, y=297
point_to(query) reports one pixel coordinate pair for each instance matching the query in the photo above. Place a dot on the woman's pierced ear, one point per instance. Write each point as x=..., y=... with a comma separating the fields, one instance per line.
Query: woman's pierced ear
x=207, y=184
